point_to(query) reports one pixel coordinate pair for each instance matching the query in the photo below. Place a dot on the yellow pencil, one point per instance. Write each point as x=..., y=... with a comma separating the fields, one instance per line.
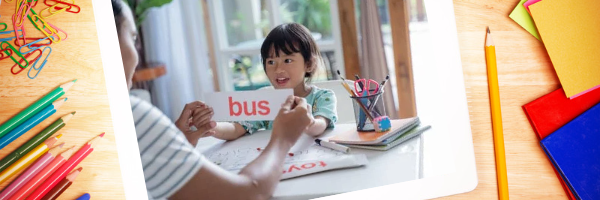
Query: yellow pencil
x=492, y=73
x=29, y=158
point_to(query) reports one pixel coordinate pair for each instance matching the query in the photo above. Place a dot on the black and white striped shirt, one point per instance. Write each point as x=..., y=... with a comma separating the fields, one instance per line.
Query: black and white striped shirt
x=168, y=159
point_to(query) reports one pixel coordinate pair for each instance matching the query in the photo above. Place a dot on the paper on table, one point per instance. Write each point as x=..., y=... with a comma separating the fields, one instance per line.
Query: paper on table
x=569, y=31
x=522, y=17
x=247, y=105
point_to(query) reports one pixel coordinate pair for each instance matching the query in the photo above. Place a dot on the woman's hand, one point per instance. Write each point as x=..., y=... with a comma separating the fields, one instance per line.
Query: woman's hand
x=293, y=119
x=198, y=115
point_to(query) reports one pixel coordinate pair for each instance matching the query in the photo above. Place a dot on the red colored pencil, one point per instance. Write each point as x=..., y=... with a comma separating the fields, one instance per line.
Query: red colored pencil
x=40, y=177
x=62, y=172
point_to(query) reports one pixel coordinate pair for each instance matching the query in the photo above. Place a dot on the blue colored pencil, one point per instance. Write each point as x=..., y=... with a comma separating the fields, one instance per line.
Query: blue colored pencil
x=30, y=123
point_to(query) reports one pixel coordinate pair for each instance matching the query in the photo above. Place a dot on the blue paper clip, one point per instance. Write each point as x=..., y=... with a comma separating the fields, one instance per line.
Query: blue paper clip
x=31, y=49
x=8, y=39
x=39, y=69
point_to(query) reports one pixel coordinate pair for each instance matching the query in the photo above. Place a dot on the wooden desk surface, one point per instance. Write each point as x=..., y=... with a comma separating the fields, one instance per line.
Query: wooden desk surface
x=525, y=73
x=77, y=57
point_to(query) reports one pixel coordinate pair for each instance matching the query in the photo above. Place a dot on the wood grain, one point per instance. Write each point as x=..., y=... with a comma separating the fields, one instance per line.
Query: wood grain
x=78, y=57
x=349, y=34
x=525, y=73
x=399, y=20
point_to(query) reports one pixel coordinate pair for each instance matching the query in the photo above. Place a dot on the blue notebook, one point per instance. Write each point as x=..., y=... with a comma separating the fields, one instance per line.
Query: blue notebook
x=575, y=152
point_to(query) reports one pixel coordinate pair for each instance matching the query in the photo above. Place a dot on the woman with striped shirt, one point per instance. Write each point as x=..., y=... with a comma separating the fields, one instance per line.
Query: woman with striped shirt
x=173, y=168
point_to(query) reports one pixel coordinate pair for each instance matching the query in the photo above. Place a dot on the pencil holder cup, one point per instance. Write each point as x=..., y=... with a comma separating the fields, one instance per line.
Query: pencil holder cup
x=375, y=107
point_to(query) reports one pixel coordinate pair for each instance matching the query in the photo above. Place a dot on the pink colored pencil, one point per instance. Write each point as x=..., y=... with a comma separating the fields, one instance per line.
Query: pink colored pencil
x=42, y=162
x=39, y=178
x=62, y=172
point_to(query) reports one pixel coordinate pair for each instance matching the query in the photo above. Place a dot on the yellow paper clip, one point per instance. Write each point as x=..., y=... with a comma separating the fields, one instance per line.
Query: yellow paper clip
x=52, y=11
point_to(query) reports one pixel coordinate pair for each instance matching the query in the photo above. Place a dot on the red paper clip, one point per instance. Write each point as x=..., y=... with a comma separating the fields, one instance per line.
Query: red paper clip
x=8, y=53
x=33, y=40
x=71, y=5
x=12, y=70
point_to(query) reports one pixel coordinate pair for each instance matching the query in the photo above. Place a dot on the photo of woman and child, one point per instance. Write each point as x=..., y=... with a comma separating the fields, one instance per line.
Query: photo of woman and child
x=174, y=169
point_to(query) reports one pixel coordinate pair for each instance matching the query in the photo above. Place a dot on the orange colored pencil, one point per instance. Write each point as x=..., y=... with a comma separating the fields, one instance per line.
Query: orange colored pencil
x=39, y=178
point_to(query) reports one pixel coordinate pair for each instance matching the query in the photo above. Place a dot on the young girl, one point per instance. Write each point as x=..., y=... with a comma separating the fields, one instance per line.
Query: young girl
x=290, y=58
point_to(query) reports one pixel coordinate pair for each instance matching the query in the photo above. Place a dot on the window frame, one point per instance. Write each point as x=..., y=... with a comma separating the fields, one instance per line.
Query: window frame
x=222, y=50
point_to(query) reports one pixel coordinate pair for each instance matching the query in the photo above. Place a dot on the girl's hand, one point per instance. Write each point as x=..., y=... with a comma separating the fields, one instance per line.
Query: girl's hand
x=198, y=115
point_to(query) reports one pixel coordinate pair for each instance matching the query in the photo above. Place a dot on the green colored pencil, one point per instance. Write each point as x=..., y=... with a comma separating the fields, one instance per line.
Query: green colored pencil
x=35, y=141
x=34, y=108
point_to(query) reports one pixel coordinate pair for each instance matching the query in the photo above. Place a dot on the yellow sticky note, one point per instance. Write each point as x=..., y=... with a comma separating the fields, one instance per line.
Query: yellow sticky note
x=522, y=17
x=570, y=31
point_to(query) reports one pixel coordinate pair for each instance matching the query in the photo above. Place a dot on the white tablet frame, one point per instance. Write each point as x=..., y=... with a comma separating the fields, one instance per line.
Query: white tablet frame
x=449, y=157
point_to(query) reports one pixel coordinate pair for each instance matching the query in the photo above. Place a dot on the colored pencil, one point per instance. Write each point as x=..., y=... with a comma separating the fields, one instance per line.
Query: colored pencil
x=32, y=171
x=30, y=123
x=34, y=108
x=66, y=168
x=62, y=185
x=39, y=178
x=362, y=106
x=85, y=196
x=35, y=141
x=492, y=73
x=26, y=160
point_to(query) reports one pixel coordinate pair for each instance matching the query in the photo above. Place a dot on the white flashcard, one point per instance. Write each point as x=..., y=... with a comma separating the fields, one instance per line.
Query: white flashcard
x=254, y=105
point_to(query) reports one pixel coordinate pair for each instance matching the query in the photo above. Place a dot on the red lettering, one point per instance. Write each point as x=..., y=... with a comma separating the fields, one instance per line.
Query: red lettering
x=310, y=165
x=252, y=112
x=231, y=109
x=264, y=106
x=293, y=167
x=322, y=164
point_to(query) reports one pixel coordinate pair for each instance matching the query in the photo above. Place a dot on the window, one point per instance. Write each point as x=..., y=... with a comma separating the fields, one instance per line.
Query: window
x=240, y=26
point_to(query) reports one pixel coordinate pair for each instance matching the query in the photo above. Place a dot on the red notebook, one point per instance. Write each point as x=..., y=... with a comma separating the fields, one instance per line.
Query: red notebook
x=550, y=112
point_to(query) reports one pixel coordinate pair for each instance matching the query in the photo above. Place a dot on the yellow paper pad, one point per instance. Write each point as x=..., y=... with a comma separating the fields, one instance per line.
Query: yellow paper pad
x=522, y=17
x=570, y=31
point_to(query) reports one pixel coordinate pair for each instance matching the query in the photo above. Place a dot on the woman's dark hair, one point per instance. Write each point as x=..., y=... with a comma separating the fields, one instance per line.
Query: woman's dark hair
x=292, y=38
x=117, y=12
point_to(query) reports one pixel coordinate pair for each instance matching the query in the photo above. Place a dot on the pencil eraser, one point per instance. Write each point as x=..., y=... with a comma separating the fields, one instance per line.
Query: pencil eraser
x=382, y=124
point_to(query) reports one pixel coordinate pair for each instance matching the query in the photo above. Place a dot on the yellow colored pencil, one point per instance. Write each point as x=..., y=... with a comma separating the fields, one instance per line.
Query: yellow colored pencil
x=29, y=158
x=492, y=73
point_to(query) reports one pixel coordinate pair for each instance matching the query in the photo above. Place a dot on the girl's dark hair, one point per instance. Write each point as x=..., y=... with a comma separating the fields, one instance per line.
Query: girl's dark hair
x=292, y=38
x=117, y=12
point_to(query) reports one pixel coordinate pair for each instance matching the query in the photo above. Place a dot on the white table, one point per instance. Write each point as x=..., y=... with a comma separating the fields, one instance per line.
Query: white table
x=399, y=164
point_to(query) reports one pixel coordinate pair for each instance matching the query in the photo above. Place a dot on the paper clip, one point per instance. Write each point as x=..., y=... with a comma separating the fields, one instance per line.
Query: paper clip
x=30, y=2
x=31, y=48
x=57, y=30
x=12, y=70
x=34, y=40
x=15, y=52
x=50, y=10
x=16, y=33
x=47, y=29
x=8, y=52
x=20, y=14
x=57, y=2
x=39, y=69
x=8, y=38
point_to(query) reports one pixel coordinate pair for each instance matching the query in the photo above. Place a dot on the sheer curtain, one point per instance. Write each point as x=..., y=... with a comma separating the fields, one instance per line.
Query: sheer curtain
x=372, y=54
x=174, y=34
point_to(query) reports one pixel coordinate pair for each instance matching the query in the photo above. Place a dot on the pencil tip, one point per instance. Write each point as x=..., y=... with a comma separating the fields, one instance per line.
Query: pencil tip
x=61, y=145
x=74, y=80
x=73, y=113
x=338, y=72
x=488, y=29
x=58, y=136
x=101, y=135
